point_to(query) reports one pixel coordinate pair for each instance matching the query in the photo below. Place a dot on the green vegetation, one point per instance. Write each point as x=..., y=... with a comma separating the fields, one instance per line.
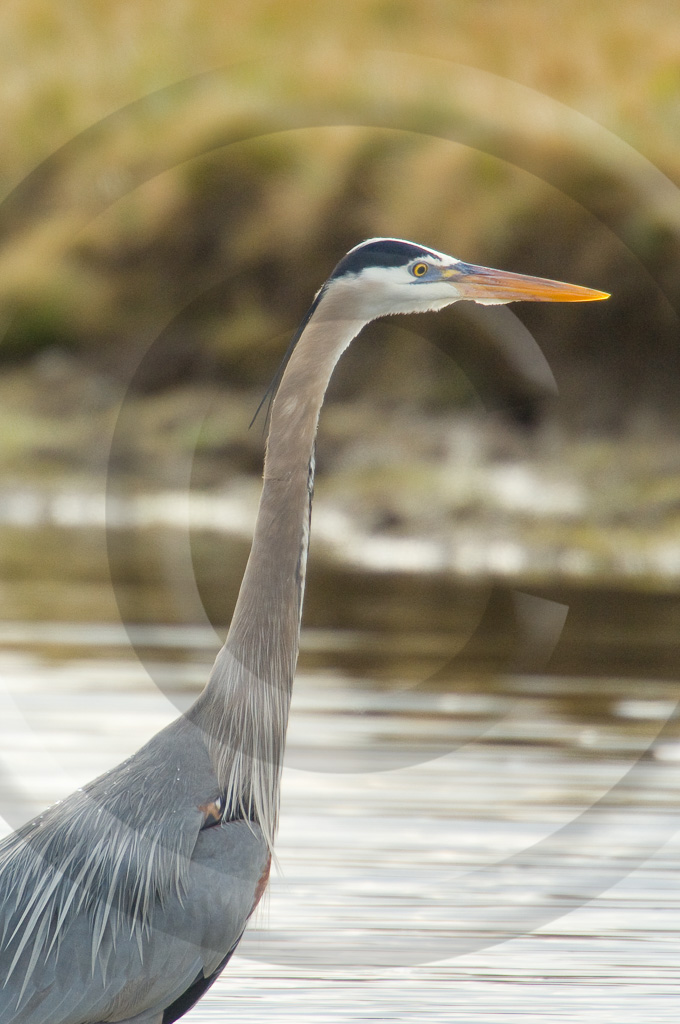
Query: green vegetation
x=206, y=209
x=179, y=178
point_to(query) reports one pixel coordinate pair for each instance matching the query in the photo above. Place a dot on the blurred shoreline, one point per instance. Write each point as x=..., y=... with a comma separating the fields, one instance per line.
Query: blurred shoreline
x=402, y=492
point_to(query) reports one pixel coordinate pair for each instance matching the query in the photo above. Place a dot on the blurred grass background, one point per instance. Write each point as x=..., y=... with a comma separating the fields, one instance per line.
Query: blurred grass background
x=179, y=178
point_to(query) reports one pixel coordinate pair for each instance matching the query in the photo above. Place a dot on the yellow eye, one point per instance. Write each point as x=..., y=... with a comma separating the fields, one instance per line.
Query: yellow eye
x=420, y=269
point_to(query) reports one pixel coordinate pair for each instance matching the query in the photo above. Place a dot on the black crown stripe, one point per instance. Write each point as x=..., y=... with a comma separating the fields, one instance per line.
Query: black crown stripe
x=385, y=252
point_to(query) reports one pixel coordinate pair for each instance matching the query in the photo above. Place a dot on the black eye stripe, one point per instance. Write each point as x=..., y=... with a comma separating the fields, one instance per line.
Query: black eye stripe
x=382, y=252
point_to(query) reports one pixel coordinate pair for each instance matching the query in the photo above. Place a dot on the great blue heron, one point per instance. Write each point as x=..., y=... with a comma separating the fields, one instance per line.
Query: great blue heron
x=125, y=901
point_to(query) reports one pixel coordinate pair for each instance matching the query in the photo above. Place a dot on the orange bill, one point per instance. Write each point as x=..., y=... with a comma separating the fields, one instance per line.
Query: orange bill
x=486, y=285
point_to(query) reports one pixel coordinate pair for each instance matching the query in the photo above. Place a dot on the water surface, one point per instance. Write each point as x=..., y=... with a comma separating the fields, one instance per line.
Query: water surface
x=459, y=841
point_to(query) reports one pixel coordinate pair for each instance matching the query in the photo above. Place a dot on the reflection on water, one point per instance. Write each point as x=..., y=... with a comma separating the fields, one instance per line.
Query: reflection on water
x=480, y=797
x=481, y=845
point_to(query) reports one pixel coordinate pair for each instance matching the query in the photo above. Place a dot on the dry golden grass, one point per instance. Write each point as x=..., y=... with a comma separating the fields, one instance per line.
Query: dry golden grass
x=214, y=209
x=66, y=65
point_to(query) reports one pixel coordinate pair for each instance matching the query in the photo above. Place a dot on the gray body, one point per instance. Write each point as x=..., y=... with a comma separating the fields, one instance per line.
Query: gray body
x=124, y=901
x=113, y=958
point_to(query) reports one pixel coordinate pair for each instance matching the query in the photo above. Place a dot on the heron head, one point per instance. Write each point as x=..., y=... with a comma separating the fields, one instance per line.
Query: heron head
x=389, y=275
x=382, y=276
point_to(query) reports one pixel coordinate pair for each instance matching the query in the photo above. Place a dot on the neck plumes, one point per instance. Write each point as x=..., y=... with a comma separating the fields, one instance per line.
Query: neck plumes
x=244, y=708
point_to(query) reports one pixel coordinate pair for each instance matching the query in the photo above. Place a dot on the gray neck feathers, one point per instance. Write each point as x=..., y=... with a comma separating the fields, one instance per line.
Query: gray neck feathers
x=244, y=709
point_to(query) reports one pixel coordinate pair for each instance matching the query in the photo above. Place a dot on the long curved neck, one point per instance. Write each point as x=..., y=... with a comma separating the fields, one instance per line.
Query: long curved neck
x=244, y=708
x=266, y=623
